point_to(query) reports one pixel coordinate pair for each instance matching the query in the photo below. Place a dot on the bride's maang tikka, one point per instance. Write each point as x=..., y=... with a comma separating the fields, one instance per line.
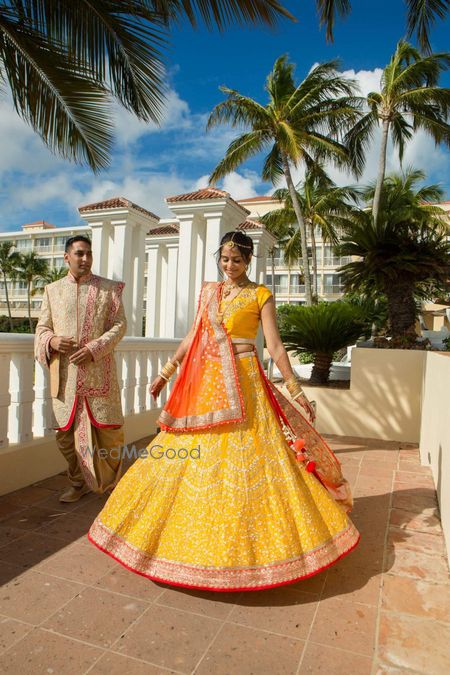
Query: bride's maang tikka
x=231, y=243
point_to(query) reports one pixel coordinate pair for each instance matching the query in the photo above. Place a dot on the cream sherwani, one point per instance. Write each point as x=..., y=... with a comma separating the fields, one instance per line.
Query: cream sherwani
x=86, y=398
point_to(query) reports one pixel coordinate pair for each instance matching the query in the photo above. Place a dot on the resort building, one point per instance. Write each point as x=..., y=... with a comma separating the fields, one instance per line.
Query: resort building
x=147, y=252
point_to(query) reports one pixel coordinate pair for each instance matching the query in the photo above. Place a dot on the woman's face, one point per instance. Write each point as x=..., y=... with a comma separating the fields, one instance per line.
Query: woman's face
x=232, y=262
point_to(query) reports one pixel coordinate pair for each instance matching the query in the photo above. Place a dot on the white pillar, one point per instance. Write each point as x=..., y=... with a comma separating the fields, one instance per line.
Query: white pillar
x=168, y=329
x=121, y=256
x=185, y=302
x=214, y=231
x=154, y=278
x=138, y=263
x=42, y=401
x=5, y=398
x=100, y=232
x=200, y=262
x=22, y=397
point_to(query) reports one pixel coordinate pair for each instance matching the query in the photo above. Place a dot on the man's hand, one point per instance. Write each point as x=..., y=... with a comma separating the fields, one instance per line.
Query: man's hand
x=63, y=344
x=81, y=357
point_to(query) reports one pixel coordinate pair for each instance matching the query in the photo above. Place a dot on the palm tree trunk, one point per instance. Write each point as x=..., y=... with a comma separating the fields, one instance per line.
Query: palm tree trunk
x=321, y=369
x=272, y=269
x=314, y=262
x=29, y=305
x=381, y=170
x=401, y=309
x=8, y=304
x=302, y=227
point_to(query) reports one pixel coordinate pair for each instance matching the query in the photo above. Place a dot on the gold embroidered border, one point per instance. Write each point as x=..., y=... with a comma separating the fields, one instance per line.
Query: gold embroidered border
x=226, y=578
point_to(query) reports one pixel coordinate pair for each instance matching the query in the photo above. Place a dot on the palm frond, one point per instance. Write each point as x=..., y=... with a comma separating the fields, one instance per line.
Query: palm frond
x=70, y=112
x=221, y=13
x=238, y=110
x=327, y=10
x=421, y=15
x=242, y=148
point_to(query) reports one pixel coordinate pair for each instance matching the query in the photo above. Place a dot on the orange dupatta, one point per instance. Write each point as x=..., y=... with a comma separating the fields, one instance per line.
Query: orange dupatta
x=206, y=392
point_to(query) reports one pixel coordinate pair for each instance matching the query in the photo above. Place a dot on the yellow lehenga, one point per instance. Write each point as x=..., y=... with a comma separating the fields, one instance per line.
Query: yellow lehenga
x=226, y=507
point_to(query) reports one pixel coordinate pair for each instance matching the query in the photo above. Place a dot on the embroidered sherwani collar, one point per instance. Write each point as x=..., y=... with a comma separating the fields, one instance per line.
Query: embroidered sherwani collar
x=82, y=280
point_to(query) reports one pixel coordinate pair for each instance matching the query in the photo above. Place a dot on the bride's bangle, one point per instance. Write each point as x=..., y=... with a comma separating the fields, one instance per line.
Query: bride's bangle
x=293, y=386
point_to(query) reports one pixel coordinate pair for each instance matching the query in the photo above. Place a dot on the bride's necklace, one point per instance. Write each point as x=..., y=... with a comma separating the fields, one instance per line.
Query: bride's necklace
x=227, y=288
x=230, y=286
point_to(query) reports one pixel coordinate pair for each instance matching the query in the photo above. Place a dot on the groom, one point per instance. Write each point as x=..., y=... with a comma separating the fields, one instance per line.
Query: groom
x=82, y=320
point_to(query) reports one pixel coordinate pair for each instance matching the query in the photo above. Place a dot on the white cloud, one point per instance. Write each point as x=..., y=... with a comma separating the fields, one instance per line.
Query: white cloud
x=368, y=80
x=241, y=187
x=128, y=128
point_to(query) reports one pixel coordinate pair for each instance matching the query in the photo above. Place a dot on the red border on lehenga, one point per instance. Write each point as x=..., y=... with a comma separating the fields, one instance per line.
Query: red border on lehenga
x=228, y=588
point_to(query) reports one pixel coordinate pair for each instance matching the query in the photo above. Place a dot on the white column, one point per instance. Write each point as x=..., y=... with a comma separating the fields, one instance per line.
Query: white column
x=22, y=396
x=42, y=401
x=100, y=237
x=215, y=229
x=122, y=267
x=5, y=398
x=138, y=262
x=185, y=303
x=168, y=328
x=200, y=263
x=153, y=304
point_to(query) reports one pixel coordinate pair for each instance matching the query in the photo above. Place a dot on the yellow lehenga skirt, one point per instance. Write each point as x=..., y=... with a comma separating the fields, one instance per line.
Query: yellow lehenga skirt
x=224, y=509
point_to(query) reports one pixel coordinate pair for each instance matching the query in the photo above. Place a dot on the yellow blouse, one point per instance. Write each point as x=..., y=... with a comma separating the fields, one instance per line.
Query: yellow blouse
x=242, y=314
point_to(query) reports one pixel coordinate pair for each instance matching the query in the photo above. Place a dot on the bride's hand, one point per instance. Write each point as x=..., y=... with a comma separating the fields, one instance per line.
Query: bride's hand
x=157, y=386
x=307, y=406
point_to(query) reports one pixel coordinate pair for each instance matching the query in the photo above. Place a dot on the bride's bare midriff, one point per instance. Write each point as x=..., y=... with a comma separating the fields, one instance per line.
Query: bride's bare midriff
x=241, y=348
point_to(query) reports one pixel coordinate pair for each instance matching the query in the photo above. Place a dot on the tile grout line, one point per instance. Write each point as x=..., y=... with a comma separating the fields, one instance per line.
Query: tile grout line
x=308, y=637
x=214, y=638
x=380, y=598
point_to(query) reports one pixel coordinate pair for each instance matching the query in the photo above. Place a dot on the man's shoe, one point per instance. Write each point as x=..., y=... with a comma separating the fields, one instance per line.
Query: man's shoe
x=73, y=494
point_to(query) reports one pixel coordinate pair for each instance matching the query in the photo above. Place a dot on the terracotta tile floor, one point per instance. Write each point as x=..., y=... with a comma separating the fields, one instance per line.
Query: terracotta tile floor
x=66, y=608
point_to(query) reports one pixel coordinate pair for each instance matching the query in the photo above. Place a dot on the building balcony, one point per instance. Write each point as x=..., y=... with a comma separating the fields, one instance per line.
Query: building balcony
x=43, y=249
x=332, y=290
x=66, y=608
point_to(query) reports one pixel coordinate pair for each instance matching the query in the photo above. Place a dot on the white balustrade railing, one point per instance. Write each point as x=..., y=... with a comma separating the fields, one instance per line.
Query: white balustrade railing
x=25, y=402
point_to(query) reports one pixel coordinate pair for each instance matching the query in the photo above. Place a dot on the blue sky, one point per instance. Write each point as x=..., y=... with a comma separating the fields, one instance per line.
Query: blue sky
x=149, y=163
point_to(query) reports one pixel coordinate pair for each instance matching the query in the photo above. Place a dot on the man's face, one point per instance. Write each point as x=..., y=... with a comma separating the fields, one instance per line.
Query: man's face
x=79, y=258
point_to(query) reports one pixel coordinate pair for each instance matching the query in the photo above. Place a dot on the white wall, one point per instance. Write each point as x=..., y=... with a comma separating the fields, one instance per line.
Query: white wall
x=435, y=430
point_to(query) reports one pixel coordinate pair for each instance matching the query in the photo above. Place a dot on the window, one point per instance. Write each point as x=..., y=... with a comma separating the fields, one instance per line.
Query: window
x=332, y=284
x=42, y=242
x=59, y=243
x=23, y=245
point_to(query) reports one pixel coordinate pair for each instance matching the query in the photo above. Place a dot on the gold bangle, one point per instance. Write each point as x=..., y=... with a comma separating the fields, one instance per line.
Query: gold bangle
x=293, y=386
x=168, y=369
x=163, y=377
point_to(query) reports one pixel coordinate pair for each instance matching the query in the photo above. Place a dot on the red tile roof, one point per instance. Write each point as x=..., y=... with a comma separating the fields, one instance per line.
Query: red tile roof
x=42, y=223
x=263, y=198
x=168, y=228
x=204, y=193
x=116, y=203
x=250, y=224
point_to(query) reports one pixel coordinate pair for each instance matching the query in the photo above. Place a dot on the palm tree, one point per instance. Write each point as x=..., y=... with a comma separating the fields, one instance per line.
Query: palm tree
x=322, y=330
x=54, y=274
x=8, y=261
x=325, y=207
x=31, y=267
x=420, y=16
x=51, y=275
x=405, y=253
x=410, y=99
x=299, y=125
x=64, y=61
